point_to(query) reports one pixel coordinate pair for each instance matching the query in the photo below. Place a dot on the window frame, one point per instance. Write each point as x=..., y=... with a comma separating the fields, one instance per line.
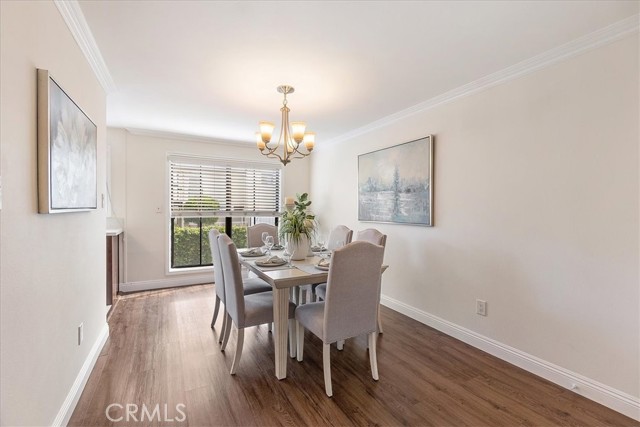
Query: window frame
x=228, y=220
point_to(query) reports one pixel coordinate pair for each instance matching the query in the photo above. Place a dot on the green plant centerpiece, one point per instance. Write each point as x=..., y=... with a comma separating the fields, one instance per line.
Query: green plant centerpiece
x=297, y=226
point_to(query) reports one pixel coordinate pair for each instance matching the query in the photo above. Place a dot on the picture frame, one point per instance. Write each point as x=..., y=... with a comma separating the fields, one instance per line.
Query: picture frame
x=67, y=151
x=395, y=184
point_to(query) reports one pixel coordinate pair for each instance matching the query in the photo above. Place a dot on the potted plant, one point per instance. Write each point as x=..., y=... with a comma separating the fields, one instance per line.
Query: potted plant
x=297, y=227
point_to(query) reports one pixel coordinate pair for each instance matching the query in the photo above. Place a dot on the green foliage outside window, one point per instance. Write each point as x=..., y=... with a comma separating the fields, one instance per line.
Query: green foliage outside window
x=186, y=243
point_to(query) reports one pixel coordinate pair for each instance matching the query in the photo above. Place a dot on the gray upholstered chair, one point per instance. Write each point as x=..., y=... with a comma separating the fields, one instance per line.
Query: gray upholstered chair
x=351, y=305
x=250, y=286
x=341, y=234
x=254, y=234
x=372, y=235
x=245, y=310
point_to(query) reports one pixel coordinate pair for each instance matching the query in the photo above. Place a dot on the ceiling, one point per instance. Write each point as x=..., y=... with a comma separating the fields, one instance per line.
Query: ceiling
x=211, y=69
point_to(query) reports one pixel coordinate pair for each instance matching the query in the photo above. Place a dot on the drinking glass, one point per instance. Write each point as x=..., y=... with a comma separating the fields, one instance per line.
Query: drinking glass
x=269, y=242
x=286, y=255
x=320, y=243
x=264, y=237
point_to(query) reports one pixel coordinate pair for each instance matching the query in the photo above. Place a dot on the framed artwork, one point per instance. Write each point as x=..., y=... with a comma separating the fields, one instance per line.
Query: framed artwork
x=395, y=184
x=67, y=152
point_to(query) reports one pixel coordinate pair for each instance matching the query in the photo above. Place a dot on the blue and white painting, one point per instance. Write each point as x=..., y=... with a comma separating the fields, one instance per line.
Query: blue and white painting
x=395, y=184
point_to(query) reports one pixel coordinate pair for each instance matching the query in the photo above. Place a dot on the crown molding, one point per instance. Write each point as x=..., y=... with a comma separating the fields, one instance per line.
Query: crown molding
x=606, y=35
x=74, y=18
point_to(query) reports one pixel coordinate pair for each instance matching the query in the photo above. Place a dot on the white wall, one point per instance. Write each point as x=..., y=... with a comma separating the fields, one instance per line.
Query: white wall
x=52, y=266
x=536, y=211
x=142, y=160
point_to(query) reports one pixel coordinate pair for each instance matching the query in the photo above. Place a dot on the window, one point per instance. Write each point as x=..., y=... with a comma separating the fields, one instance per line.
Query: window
x=227, y=195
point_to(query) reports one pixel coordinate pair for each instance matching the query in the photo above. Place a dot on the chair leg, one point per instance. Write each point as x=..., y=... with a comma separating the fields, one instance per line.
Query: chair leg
x=326, y=364
x=379, y=321
x=299, y=341
x=224, y=326
x=373, y=360
x=236, y=357
x=292, y=338
x=227, y=332
x=215, y=311
x=340, y=345
x=302, y=297
x=270, y=327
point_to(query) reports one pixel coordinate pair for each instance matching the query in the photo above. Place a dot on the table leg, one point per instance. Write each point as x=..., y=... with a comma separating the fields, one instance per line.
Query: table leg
x=280, y=316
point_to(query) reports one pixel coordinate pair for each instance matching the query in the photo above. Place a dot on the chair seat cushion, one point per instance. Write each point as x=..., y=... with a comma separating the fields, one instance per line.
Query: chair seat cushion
x=253, y=285
x=258, y=309
x=311, y=316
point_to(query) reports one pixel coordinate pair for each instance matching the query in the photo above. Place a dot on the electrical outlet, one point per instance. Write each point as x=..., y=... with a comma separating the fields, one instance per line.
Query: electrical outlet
x=481, y=307
x=80, y=333
x=158, y=210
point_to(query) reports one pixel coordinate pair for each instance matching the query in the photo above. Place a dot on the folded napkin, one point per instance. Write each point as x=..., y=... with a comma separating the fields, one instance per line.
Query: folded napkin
x=277, y=247
x=253, y=251
x=274, y=260
x=324, y=263
x=317, y=248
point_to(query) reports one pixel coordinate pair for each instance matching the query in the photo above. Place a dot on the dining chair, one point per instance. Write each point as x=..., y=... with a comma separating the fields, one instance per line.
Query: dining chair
x=250, y=285
x=245, y=310
x=372, y=235
x=350, y=307
x=340, y=235
x=254, y=234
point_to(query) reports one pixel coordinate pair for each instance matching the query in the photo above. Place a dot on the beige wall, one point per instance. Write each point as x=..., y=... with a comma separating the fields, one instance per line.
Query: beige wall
x=142, y=161
x=52, y=266
x=536, y=211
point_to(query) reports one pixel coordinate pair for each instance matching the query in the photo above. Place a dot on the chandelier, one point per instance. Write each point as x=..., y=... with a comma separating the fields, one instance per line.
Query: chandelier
x=290, y=136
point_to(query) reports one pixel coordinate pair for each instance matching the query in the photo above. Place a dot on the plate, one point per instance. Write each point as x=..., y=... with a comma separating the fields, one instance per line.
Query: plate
x=270, y=264
x=246, y=254
x=322, y=267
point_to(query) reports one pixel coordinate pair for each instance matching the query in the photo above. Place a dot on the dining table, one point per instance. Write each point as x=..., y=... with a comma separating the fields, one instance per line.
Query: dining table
x=283, y=279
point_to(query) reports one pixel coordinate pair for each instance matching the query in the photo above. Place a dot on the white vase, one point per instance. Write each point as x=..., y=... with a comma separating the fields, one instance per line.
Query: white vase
x=300, y=249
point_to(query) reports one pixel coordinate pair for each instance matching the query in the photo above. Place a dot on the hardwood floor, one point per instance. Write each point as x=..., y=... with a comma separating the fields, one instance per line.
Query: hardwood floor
x=162, y=353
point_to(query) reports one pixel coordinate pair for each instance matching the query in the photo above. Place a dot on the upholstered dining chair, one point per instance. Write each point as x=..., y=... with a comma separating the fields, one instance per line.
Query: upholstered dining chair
x=254, y=234
x=245, y=310
x=250, y=286
x=372, y=235
x=341, y=234
x=351, y=305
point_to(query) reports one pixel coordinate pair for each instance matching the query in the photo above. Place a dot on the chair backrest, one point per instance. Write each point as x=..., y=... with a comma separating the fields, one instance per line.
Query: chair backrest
x=234, y=289
x=372, y=235
x=218, y=276
x=353, y=291
x=339, y=234
x=254, y=234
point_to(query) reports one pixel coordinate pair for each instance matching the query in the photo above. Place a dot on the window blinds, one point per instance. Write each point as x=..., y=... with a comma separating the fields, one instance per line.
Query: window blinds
x=205, y=188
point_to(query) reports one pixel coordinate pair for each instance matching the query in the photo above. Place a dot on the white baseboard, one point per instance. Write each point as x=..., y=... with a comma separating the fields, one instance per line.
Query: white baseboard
x=69, y=404
x=147, y=285
x=591, y=389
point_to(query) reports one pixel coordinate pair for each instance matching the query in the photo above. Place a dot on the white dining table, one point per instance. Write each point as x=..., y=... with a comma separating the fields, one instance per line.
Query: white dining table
x=282, y=279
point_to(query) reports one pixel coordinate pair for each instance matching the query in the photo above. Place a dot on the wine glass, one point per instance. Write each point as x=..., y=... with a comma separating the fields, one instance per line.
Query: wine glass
x=320, y=242
x=264, y=237
x=287, y=254
x=269, y=243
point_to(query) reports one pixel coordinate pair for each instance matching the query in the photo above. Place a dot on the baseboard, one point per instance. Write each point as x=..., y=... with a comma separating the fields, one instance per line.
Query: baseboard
x=147, y=285
x=69, y=404
x=593, y=390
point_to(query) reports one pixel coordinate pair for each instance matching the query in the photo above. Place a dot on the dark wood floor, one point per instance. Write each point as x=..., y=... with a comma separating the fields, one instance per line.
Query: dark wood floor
x=161, y=351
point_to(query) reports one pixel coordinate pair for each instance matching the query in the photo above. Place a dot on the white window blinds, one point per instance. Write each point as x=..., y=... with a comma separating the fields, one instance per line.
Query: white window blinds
x=204, y=188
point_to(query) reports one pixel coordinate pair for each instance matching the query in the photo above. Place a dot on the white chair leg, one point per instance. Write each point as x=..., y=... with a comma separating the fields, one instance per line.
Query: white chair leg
x=299, y=341
x=326, y=364
x=215, y=311
x=379, y=321
x=236, y=357
x=302, y=297
x=340, y=345
x=227, y=332
x=292, y=338
x=373, y=360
